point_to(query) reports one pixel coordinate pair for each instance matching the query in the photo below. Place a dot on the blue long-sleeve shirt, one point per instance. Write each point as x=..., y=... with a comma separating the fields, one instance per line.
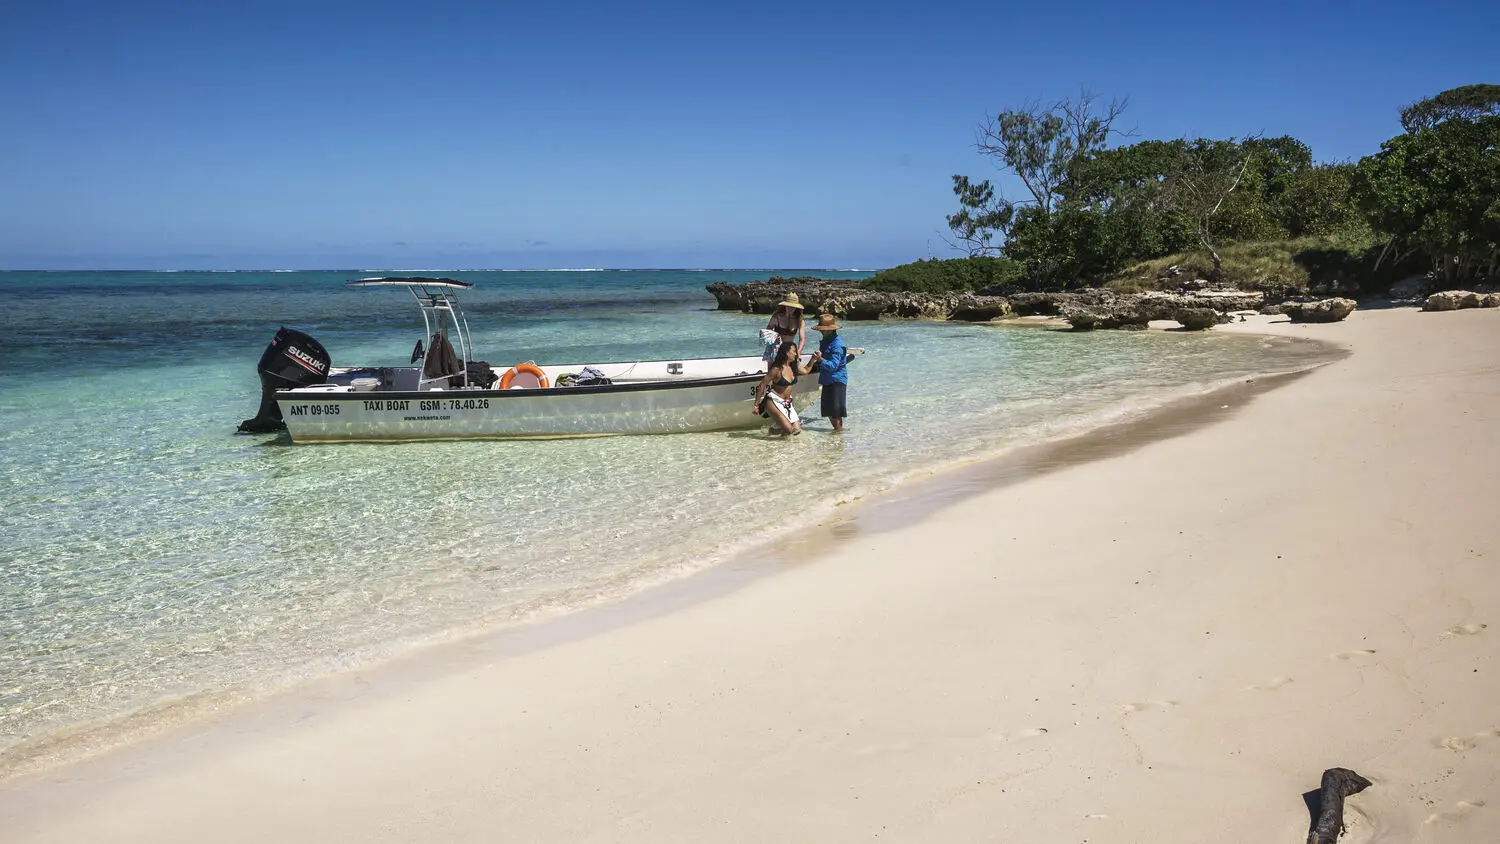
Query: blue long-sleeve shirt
x=834, y=369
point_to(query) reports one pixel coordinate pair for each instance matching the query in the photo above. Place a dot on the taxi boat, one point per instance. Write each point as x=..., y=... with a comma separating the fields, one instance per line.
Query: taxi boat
x=445, y=393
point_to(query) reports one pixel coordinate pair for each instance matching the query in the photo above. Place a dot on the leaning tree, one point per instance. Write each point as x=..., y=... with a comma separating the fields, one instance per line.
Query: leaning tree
x=1202, y=178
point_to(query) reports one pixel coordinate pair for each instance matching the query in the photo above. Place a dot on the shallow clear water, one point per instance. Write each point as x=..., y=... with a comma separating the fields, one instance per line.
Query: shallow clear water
x=147, y=552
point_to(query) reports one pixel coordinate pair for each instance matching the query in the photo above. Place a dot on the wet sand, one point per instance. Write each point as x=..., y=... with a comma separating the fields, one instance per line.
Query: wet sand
x=1164, y=638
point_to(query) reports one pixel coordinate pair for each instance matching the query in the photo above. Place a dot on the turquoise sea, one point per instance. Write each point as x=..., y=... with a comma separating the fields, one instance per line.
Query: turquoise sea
x=149, y=555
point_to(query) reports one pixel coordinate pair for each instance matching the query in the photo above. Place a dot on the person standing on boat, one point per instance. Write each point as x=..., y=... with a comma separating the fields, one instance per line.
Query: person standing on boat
x=832, y=359
x=773, y=395
x=787, y=322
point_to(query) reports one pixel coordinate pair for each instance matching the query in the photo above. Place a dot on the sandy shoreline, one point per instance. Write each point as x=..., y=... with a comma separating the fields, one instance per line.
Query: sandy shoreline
x=1170, y=641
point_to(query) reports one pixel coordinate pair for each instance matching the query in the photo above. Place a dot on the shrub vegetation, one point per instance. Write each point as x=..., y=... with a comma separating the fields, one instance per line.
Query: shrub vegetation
x=950, y=275
x=1258, y=212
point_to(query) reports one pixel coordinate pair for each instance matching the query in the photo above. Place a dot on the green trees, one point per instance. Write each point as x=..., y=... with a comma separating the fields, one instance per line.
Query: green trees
x=1436, y=189
x=1203, y=177
x=1466, y=102
x=1040, y=147
x=1257, y=209
x=1090, y=210
x=1114, y=207
x=980, y=218
x=1238, y=190
x=950, y=275
x=1319, y=201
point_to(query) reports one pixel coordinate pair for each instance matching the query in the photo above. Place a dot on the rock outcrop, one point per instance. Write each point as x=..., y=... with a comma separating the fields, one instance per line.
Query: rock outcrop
x=1103, y=309
x=1035, y=304
x=760, y=297
x=1453, y=300
x=1094, y=308
x=1199, y=319
x=871, y=304
x=1323, y=310
x=1082, y=320
x=980, y=309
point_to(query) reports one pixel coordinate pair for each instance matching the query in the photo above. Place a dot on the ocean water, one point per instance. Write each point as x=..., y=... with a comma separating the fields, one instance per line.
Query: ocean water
x=148, y=554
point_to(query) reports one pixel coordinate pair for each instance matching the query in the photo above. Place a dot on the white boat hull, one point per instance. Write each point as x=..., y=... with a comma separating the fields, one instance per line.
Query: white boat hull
x=656, y=397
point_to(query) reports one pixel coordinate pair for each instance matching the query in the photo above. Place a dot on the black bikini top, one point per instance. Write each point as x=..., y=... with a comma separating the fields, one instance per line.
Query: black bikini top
x=782, y=382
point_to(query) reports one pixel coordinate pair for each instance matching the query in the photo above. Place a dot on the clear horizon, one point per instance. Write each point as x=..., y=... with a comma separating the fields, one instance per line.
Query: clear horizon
x=329, y=135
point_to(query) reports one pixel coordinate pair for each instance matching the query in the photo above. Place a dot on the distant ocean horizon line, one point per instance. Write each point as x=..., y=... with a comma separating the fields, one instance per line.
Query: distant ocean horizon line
x=479, y=270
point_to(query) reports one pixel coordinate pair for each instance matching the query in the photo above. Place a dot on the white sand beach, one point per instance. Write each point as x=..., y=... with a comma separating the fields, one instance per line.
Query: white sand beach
x=1167, y=645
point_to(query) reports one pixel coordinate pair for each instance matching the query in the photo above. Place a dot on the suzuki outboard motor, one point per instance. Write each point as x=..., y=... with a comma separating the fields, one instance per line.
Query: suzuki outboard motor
x=292, y=360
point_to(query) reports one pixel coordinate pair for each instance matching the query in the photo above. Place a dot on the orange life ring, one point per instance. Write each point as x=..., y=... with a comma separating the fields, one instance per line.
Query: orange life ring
x=528, y=368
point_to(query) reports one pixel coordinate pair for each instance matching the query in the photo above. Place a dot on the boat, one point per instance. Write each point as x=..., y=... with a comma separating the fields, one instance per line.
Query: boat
x=446, y=393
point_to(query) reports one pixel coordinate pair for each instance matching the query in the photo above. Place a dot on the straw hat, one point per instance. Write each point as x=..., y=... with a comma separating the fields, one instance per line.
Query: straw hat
x=791, y=301
x=827, y=322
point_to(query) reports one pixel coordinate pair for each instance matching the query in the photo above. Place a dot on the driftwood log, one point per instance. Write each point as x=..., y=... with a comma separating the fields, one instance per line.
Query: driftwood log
x=1338, y=783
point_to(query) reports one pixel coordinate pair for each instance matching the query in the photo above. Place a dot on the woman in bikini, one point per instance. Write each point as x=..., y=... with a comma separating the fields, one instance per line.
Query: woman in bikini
x=786, y=325
x=773, y=393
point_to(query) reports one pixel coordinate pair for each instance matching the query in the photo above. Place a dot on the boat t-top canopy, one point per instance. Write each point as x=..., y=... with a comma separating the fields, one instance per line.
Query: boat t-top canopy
x=439, y=305
x=409, y=281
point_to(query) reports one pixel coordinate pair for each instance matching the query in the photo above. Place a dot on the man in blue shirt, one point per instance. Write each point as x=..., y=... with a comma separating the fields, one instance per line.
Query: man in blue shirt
x=833, y=371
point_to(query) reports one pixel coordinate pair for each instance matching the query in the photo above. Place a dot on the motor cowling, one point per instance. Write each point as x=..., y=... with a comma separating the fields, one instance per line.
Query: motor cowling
x=293, y=359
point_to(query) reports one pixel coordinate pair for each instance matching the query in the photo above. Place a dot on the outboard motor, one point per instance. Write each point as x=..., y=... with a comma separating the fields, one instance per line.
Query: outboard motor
x=292, y=360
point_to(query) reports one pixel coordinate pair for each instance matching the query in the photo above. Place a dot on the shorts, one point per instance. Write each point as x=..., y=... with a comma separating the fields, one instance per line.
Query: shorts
x=833, y=401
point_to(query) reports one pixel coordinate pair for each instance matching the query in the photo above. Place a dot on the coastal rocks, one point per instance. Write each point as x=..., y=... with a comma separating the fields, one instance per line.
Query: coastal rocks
x=1082, y=320
x=1104, y=309
x=849, y=301
x=1226, y=300
x=854, y=305
x=960, y=307
x=1037, y=304
x=1087, y=314
x=980, y=309
x=1408, y=288
x=760, y=297
x=1199, y=319
x=1323, y=310
x=1084, y=309
x=920, y=306
x=1453, y=300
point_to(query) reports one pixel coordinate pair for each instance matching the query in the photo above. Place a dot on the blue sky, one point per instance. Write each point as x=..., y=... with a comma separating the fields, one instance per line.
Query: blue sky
x=447, y=135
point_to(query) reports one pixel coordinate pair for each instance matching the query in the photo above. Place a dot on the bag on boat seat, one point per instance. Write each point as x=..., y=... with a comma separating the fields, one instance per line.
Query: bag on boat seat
x=586, y=377
x=481, y=375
